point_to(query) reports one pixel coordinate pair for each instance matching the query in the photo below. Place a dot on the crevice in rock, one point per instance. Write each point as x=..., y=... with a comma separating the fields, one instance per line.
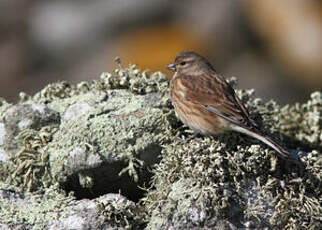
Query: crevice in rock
x=90, y=184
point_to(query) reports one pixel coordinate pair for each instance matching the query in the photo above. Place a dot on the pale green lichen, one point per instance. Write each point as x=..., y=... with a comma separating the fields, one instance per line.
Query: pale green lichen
x=122, y=213
x=114, y=129
x=209, y=166
x=304, y=121
x=4, y=105
x=72, y=133
x=29, y=168
x=135, y=80
x=37, y=209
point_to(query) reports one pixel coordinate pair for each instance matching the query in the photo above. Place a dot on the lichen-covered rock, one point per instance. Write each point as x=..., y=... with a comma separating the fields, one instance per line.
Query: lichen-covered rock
x=53, y=210
x=303, y=121
x=106, y=136
x=18, y=118
x=236, y=179
x=118, y=135
x=90, y=214
x=96, y=137
x=31, y=211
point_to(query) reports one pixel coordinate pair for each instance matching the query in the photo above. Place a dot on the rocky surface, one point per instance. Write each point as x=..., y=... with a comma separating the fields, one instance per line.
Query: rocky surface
x=105, y=155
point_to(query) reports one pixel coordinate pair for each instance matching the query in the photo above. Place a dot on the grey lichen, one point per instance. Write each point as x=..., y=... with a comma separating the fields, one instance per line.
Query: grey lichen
x=214, y=175
x=98, y=117
x=121, y=213
x=32, y=211
x=303, y=121
x=29, y=167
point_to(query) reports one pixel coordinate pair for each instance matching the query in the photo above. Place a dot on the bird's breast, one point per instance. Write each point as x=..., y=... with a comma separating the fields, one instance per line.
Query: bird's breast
x=194, y=115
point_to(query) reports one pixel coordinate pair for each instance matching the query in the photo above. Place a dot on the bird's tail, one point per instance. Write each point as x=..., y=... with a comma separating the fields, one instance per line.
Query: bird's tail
x=282, y=152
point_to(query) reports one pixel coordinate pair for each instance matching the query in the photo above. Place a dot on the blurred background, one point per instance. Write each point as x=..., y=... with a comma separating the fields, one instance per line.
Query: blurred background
x=272, y=46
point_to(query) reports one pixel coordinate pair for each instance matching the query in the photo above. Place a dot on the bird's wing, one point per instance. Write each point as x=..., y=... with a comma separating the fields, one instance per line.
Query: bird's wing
x=212, y=92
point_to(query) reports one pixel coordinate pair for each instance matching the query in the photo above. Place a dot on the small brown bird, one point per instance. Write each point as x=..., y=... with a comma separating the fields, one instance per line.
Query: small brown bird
x=205, y=102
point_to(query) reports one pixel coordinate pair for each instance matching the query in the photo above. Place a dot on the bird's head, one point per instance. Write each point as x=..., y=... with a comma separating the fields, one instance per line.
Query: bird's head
x=190, y=63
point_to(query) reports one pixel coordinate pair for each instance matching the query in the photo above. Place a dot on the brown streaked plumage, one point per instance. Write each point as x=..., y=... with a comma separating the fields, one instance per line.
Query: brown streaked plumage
x=205, y=102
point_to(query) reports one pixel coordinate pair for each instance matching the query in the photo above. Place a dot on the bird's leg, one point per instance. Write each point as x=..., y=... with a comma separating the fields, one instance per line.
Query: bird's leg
x=189, y=138
x=180, y=128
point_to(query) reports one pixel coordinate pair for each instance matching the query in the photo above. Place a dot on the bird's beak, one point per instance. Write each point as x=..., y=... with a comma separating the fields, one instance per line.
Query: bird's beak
x=171, y=67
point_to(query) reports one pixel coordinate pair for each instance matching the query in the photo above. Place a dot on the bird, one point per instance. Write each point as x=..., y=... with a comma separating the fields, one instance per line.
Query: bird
x=205, y=102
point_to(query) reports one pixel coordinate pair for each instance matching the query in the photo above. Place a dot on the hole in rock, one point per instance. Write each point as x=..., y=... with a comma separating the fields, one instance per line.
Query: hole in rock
x=105, y=179
x=94, y=182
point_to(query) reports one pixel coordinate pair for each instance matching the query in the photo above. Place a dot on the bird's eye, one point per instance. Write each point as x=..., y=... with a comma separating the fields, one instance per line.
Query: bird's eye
x=182, y=63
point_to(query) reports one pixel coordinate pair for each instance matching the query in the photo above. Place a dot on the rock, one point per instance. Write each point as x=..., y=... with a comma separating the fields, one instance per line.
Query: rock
x=73, y=147
x=74, y=214
x=86, y=214
x=21, y=117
